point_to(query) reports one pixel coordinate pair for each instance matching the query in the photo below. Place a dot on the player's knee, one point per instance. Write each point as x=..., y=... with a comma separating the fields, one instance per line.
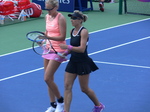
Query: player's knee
x=68, y=87
x=84, y=90
x=48, y=79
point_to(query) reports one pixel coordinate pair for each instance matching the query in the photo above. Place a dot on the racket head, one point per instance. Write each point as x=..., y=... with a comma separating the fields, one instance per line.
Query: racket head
x=32, y=36
x=40, y=46
x=45, y=47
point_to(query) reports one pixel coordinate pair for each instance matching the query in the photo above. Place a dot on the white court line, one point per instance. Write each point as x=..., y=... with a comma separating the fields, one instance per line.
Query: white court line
x=120, y=45
x=89, y=55
x=89, y=33
x=120, y=64
x=21, y=74
x=120, y=25
x=24, y=73
x=15, y=52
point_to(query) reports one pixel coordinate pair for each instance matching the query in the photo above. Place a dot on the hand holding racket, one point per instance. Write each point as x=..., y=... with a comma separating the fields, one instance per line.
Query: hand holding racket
x=41, y=45
x=33, y=35
x=67, y=47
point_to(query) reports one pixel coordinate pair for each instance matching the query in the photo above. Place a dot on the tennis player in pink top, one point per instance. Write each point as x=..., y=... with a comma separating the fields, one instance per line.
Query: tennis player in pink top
x=56, y=32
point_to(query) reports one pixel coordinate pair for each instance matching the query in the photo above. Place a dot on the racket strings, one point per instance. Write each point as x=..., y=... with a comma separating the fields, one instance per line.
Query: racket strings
x=34, y=37
x=51, y=46
x=40, y=45
x=43, y=47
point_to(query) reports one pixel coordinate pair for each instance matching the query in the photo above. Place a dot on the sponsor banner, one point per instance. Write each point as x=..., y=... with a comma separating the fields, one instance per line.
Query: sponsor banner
x=64, y=5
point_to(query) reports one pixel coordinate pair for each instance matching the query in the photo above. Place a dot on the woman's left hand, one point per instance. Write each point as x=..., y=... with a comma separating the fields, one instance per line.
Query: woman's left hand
x=63, y=46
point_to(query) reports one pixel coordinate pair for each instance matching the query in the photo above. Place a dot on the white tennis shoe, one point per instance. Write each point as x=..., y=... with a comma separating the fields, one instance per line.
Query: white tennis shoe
x=50, y=109
x=60, y=107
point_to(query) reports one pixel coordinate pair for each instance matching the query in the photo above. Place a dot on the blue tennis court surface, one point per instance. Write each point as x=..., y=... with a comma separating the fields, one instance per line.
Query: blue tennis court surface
x=122, y=83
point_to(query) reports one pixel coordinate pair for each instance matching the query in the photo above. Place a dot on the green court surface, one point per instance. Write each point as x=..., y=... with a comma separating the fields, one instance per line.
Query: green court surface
x=12, y=37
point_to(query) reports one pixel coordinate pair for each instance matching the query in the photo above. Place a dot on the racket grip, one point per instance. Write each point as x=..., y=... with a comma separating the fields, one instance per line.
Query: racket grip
x=70, y=47
x=61, y=55
x=66, y=53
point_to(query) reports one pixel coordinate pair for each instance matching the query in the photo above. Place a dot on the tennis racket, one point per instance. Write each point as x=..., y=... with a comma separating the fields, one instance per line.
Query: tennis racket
x=41, y=45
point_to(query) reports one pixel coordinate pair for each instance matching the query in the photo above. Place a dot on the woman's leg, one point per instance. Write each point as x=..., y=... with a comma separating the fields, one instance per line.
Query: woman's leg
x=84, y=81
x=69, y=81
x=51, y=95
x=50, y=67
x=101, y=5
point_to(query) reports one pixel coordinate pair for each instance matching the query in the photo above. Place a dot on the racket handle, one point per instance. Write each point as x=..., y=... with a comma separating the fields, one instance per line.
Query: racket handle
x=61, y=55
x=66, y=52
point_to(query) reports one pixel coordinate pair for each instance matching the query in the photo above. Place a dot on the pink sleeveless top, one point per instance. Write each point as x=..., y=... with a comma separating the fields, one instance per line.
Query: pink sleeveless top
x=53, y=30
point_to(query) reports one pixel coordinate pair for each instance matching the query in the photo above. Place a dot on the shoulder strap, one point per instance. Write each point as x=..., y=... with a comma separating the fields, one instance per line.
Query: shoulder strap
x=58, y=15
x=81, y=30
x=72, y=31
